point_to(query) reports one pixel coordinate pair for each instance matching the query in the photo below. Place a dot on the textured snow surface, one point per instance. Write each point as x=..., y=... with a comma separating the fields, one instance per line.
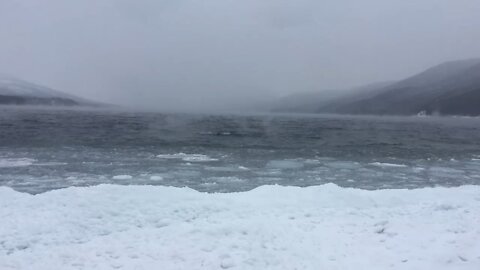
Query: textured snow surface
x=271, y=227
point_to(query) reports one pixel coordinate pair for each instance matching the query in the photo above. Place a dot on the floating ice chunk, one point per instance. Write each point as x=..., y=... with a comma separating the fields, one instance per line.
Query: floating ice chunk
x=198, y=158
x=224, y=133
x=122, y=177
x=312, y=161
x=383, y=164
x=418, y=169
x=156, y=178
x=16, y=162
x=208, y=184
x=188, y=157
x=269, y=172
x=51, y=164
x=285, y=164
x=227, y=169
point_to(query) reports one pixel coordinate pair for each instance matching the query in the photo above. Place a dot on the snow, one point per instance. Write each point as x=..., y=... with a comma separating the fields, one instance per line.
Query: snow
x=271, y=227
x=188, y=157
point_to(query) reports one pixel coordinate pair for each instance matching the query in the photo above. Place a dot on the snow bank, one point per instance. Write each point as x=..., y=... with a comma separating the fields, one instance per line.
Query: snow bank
x=271, y=227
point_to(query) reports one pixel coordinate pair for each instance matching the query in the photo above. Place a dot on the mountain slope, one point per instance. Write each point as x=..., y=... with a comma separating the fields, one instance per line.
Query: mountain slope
x=310, y=102
x=306, y=102
x=452, y=88
x=19, y=92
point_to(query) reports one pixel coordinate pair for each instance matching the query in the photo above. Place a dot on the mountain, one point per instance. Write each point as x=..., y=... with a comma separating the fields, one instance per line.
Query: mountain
x=310, y=102
x=307, y=102
x=452, y=88
x=19, y=92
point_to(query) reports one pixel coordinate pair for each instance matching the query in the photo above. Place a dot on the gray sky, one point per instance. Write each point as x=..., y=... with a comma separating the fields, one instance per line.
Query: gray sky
x=204, y=54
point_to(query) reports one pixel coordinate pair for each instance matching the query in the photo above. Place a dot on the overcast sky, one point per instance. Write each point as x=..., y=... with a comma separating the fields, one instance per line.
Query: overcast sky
x=176, y=54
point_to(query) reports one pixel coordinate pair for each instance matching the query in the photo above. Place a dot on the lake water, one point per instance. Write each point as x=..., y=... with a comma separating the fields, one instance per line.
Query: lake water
x=41, y=150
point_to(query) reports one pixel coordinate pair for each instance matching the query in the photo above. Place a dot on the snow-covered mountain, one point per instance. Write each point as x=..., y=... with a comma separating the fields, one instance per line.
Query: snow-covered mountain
x=451, y=88
x=310, y=102
x=14, y=91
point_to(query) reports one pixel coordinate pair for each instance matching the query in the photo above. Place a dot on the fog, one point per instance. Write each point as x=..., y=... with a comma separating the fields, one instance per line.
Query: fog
x=227, y=54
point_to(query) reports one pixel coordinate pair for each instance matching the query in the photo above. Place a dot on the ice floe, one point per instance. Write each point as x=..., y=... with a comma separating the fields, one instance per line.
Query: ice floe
x=122, y=177
x=385, y=164
x=16, y=162
x=188, y=157
x=156, y=178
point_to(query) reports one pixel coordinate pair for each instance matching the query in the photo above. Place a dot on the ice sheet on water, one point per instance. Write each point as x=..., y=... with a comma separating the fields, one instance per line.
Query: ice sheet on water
x=16, y=162
x=188, y=157
x=226, y=179
x=232, y=169
x=122, y=177
x=156, y=178
x=52, y=163
x=388, y=165
x=93, y=169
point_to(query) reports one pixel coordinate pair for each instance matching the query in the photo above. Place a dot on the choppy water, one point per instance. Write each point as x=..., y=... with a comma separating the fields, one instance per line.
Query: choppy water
x=42, y=150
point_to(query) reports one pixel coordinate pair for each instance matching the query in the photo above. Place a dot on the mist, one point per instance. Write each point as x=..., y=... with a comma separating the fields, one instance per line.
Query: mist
x=227, y=54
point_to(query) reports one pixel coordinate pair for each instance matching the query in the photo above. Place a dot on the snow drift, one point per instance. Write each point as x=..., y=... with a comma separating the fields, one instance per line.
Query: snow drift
x=271, y=227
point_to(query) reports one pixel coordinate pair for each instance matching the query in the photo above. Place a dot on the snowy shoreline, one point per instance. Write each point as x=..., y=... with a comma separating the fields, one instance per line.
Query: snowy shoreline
x=270, y=227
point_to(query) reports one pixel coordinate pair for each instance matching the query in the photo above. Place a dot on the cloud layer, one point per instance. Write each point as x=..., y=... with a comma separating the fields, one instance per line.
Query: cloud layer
x=215, y=54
